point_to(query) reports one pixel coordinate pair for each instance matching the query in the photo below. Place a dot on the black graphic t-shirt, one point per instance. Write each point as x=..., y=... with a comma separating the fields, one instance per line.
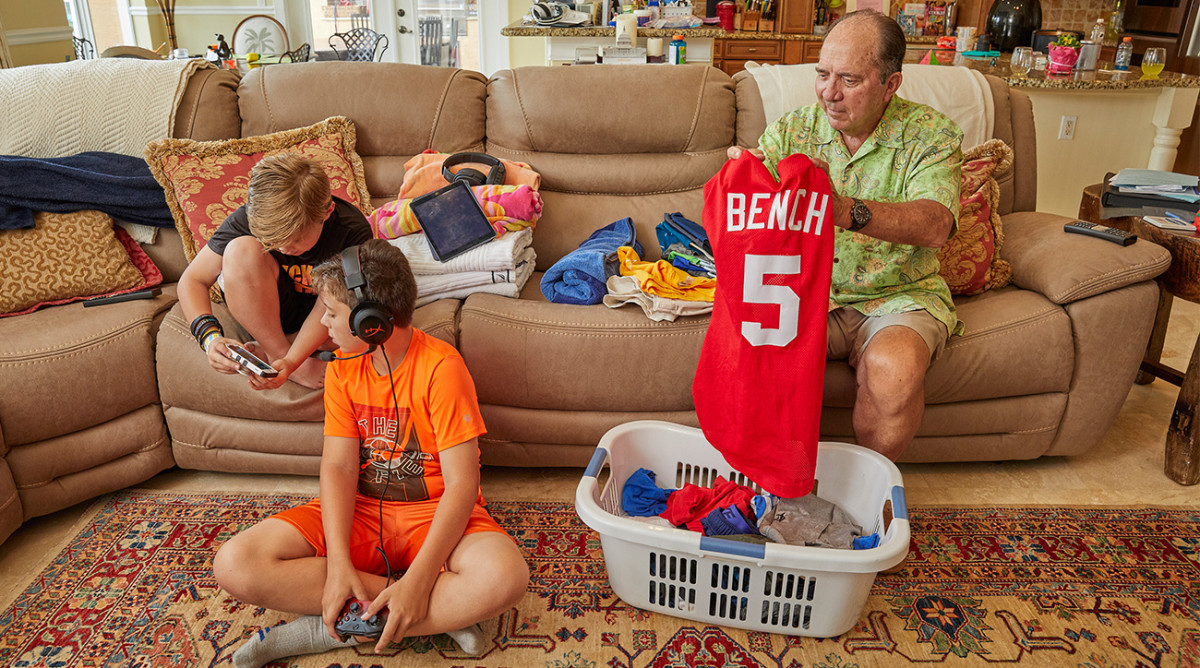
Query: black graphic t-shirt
x=345, y=227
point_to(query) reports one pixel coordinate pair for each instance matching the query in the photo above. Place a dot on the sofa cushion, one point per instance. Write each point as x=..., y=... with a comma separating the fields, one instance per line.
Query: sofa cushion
x=603, y=159
x=68, y=368
x=970, y=260
x=398, y=110
x=1071, y=267
x=204, y=182
x=67, y=256
x=530, y=353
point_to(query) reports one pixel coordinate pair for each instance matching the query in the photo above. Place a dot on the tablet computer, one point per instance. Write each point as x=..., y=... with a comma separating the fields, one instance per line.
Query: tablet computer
x=453, y=220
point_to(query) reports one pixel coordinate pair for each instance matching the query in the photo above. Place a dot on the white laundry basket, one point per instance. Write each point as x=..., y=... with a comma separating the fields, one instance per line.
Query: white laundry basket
x=793, y=590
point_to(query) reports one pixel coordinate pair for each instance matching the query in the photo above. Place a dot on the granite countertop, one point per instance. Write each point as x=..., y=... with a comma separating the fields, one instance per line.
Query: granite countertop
x=520, y=29
x=1099, y=79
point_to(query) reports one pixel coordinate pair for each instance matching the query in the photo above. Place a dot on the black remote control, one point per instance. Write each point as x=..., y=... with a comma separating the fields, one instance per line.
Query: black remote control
x=1112, y=234
x=148, y=293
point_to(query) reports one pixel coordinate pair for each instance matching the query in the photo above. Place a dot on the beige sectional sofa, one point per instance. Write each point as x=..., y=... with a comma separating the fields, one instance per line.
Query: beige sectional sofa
x=97, y=400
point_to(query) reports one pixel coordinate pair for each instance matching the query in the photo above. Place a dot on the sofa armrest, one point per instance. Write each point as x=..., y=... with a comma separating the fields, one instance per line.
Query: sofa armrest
x=1068, y=267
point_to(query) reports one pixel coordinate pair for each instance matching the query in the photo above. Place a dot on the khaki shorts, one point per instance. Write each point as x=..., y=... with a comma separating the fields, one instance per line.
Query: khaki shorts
x=849, y=331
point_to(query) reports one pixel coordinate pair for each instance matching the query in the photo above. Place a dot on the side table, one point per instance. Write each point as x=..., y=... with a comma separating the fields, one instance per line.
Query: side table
x=1182, y=280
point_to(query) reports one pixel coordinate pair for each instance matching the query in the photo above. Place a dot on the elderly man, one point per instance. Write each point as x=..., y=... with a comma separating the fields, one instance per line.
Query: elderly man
x=894, y=166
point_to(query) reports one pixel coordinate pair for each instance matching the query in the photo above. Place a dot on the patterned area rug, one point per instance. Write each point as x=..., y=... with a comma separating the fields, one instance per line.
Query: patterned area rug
x=1038, y=587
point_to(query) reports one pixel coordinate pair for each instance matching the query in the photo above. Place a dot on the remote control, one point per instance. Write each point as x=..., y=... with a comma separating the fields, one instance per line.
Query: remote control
x=1112, y=234
x=149, y=293
x=350, y=621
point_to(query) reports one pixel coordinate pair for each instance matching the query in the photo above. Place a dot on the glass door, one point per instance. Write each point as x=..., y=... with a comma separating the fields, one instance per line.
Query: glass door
x=448, y=32
x=444, y=33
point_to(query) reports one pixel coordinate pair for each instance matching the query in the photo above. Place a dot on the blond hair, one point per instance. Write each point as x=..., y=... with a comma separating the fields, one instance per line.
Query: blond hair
x=288, y=192
x=390, y=280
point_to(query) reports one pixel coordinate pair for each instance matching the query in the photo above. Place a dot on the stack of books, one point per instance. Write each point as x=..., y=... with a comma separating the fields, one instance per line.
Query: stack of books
x=1150, y=192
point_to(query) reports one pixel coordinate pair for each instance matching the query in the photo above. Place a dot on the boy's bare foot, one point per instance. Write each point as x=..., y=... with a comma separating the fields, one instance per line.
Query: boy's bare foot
x=310, y=374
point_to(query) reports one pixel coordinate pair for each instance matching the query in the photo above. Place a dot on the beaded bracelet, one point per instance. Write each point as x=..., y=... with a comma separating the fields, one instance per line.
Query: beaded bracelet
x=208, y=339
x=204, y=327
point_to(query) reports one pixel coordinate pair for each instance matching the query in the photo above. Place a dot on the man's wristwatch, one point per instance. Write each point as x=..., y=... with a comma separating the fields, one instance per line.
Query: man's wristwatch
x=860, y=215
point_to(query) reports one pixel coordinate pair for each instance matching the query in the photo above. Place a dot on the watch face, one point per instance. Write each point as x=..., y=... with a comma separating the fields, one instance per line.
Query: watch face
x=860, y=213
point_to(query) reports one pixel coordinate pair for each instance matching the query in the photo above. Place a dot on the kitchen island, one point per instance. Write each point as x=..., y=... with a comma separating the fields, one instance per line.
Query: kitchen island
x=1114, y=120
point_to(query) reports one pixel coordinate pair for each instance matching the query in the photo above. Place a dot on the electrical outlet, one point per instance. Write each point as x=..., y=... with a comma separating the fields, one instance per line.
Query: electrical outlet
x=1066, y=129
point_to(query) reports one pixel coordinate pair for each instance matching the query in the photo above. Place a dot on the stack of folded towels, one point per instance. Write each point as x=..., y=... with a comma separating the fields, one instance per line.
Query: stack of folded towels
x=501, y=267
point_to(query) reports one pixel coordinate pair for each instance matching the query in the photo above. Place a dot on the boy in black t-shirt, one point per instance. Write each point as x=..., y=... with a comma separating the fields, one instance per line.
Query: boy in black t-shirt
x=262, y=257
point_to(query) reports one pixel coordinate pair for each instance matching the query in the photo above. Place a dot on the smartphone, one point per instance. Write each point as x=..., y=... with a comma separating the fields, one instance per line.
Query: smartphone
x=250, y=362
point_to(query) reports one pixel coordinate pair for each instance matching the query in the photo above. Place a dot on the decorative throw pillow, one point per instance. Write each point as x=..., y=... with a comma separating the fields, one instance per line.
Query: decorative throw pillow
x=66, y=257
x=971, y=260
x=204, y=182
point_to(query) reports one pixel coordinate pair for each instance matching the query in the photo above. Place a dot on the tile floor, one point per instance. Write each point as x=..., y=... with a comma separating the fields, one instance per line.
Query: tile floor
x=1126, y=468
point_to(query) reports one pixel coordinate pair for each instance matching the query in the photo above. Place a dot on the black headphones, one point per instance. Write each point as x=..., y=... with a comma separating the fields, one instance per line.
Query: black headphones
x=474, y=177
x=547, y=13
x=369, y=320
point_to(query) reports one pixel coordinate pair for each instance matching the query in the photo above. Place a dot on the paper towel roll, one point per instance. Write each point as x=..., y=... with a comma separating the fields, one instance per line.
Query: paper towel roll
x=654, y=46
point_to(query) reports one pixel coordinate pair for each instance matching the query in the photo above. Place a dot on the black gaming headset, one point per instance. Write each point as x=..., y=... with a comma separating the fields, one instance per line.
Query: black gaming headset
x=474, y=177
x=369, y=320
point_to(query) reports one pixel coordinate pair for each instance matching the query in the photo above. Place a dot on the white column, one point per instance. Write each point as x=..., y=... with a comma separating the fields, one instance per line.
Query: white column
x=1172, y=114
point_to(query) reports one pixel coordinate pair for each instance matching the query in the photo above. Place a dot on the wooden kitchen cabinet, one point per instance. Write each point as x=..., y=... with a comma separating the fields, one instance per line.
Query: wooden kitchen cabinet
x=731, y=54
x=795, y=16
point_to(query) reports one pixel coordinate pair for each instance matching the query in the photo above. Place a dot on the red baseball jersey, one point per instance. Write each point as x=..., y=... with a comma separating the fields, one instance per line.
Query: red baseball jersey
x=759, y=382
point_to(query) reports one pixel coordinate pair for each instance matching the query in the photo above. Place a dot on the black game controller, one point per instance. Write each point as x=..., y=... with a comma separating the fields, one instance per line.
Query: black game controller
x=350, y=621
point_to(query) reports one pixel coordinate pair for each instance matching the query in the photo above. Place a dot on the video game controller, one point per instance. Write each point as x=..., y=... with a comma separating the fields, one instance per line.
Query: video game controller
x=350, y=622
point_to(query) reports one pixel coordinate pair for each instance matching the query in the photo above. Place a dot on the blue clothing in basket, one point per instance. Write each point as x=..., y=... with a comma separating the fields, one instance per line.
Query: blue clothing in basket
x=641, y=497
x=580, y=276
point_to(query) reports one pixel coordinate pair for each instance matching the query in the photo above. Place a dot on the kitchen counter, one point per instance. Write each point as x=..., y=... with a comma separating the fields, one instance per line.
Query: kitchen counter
x=1100, y=79
x=520, y=29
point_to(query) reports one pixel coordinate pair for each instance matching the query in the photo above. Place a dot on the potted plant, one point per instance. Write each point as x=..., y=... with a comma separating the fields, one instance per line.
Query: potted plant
x=1063, y=52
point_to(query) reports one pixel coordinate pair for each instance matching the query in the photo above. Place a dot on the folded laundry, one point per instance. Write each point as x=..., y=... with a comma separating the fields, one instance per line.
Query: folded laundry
x=663, y=279
x=625, y=290
x=507, y=208
x=808, y=520
x=504, y=282
x=496, y=255
x=641, y=496
x=580, y=276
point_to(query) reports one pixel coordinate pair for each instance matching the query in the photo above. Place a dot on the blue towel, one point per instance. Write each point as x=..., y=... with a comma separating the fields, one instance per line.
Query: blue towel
x=119, y=185
x=580, y=276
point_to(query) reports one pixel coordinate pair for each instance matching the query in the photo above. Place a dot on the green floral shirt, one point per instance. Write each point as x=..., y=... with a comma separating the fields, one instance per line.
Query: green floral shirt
x=913, y=154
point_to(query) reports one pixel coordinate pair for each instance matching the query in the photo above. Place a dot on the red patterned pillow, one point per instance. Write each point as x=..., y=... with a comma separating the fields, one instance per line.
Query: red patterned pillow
x=971, y=260
x=204, y=182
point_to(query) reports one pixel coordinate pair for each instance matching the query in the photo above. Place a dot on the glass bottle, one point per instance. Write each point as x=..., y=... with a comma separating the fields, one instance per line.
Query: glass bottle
x=1116, y=23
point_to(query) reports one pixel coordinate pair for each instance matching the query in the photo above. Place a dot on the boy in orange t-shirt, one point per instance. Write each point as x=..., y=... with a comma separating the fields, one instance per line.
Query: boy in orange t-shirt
x=399, y=486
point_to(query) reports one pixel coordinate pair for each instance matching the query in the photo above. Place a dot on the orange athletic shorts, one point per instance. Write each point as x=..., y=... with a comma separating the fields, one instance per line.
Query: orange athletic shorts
x=404, y=528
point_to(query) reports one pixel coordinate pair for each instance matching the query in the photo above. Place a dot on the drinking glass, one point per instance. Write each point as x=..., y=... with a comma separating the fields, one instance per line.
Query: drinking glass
x=1153, y=61
x=1022, y=60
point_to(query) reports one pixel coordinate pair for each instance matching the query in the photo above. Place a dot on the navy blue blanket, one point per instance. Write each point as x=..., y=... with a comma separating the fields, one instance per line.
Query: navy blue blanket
x=119, y=185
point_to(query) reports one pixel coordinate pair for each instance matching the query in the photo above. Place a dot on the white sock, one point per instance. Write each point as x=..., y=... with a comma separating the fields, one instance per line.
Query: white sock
x=306, y=635
x=470, y=639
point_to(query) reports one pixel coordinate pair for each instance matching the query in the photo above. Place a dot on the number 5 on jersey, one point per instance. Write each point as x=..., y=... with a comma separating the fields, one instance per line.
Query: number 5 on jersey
x=756, y=291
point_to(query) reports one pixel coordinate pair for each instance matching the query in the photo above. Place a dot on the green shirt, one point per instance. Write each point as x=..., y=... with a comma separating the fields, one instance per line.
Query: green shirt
x=913, y=154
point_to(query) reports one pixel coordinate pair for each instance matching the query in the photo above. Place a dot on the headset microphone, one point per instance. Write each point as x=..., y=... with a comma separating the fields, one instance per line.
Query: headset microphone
x=328, y=356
